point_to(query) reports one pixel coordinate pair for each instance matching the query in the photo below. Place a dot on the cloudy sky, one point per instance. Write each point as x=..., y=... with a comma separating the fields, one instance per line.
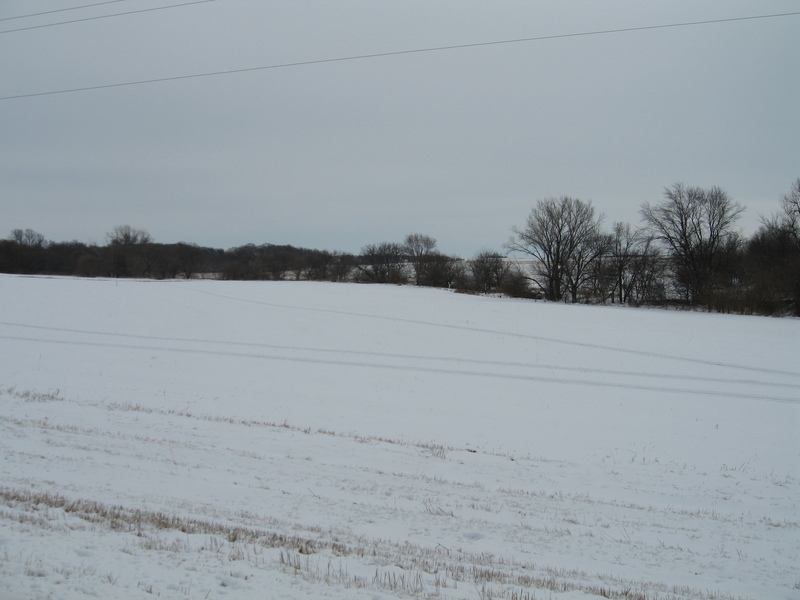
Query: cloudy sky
x=458, y=144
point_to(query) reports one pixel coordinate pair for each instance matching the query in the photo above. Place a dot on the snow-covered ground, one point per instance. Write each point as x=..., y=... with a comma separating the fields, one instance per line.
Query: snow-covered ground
x=205, y=439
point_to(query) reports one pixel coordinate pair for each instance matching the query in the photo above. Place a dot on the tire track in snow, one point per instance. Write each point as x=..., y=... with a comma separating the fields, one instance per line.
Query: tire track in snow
x=412, y=357
x=659, y=355
x=418, y=369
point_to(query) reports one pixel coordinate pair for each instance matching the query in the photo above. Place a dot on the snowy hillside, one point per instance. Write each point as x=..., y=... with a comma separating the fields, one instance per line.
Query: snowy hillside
x=205, y=439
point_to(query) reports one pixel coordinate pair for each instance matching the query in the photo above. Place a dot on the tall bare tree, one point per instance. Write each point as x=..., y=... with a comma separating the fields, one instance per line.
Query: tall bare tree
x=563, y=236
x=588, y=245
x=696, y=227
x=633, y=261
x=420, y=249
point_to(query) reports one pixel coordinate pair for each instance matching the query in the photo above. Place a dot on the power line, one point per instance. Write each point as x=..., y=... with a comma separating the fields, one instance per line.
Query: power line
x=132, y=12
x=50, y=12
x=395, y=53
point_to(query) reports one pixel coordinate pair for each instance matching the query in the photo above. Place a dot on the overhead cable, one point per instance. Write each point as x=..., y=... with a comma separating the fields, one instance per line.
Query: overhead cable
x=395, y=53
x=50, y=12
x=131, y=12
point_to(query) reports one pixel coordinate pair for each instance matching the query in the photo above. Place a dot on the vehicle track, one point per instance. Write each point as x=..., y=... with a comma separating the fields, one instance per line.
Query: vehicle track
x=430, y=370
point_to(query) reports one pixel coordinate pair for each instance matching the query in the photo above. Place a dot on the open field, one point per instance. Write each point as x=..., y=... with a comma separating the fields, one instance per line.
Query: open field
x=205, y=439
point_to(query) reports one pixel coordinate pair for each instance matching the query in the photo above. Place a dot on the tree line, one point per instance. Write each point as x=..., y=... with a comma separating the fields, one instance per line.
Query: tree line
x=686, y=251
x=131, y=252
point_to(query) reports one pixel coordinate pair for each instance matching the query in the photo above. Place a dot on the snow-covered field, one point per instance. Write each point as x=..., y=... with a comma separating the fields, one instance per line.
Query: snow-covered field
x=205, y=439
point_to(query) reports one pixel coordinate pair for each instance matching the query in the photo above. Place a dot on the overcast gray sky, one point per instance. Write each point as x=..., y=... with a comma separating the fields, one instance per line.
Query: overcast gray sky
x=457, y=144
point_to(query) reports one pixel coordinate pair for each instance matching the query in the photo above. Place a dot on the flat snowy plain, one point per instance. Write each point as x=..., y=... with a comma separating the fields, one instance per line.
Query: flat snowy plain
x=205, y=439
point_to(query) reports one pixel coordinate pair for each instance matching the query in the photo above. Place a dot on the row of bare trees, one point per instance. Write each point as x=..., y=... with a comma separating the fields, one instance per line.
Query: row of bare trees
x=687, y=250
x=418, y=260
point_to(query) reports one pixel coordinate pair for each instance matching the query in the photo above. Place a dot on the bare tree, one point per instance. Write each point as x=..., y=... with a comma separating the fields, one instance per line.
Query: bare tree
x=543, y=238
x=442, y=271
x=317, y=266
x=633, y=262
x=125, y=235
x=419, y=248
x=589, y=245
x=773, y=259
x=696, y=226
x=28, y=238
x=488, y=271
x=276, y=261
x=621, y=259
x=342, y=266
x=563, y=236
x=129, y=251
x=383, y=263
x=25, y=252
x=189, y=259
x=515, y=283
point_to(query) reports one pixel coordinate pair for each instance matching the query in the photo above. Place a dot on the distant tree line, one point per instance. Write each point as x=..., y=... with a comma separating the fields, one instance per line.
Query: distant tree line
x=131, y=252
x=685, y=252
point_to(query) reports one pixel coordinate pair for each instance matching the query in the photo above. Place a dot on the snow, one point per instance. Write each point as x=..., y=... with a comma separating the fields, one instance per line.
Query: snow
x=206, y=439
